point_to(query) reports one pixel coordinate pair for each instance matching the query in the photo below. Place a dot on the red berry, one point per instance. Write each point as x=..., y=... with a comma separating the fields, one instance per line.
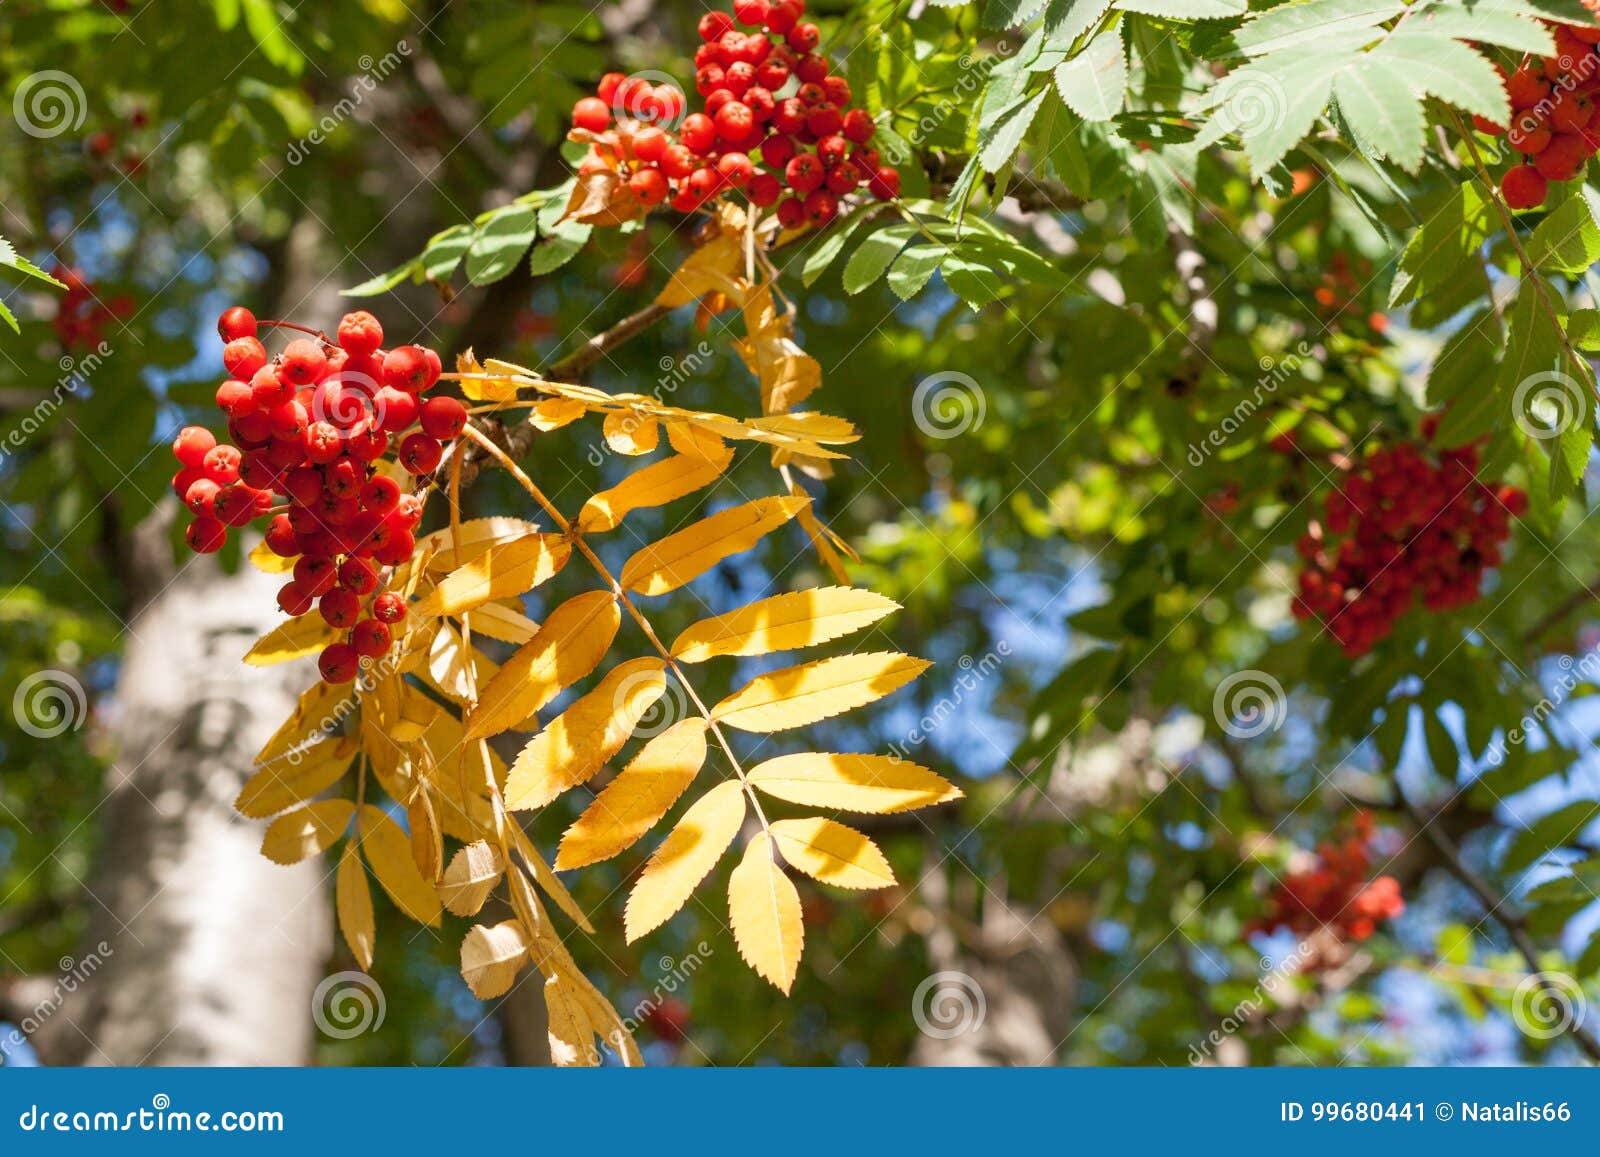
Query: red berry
x=409, y=368
x=739, y=77
x=824, y=121
x=234, y=505
x=396, y=548
x=419, y=453
x=714, y=24
x=192, y=445
x=803, y=173
x=394, y=410
x=697, y=132
x=381, y=494
x=764, y=190
x=235, y=323
x=772, y=75
x=340, y=608
x=205, y=535
x=324, y=443
x=790, y=115
x=292, y=600
x=370, y=638
x=244, y=356
x=859, y=126
x=781, y=17
x=1564, y=158
x=389, y=607
x=303, y=363
x=443, y=418
x=221, y=464
x=842, y=179
x=820, y=207
x=607, y=89
x=200, y=496
x=678, y=162
x=838, y=90
x=708, y=79
x=750, y=11
x=791, y=212
x=735, y=168
x=804, y=37
x=360, y=333
x=735, y=122
x=339, y=663
x=1523, y=187
x=649, y=144
x=832, y=150
x=885, y=183
x=776, y=151
x=591, y=113
x=649, y=186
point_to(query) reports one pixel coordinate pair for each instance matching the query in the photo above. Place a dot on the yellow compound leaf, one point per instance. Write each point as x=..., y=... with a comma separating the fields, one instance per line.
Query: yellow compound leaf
x=684, y=858
x=491, y=957
x=832, y=853
x=783, y=623
x=828, y=545
x=498, y=621
x=427, y=845
x=388, y=852
x=316, y=716
x=692, y=440
x=295, y=778
x=715, y=267
x=797, y=696
x=353, y=901
x=633, y=802
x=447, y=664
x=573, y=640
x=486, y=389
x=788, y=374
x=471, y=875
x=655, y=485
x=477, y=536
x=764, y=912
x=266, y=560
x=291, y=639
x=859, y=783
x=306, y=831
x=548, y=880
x=553, y=413
x=571, y=1031
x=508, y=568
x=629, y=433
x=579, y=741
x=679, y=558
x=807, y=426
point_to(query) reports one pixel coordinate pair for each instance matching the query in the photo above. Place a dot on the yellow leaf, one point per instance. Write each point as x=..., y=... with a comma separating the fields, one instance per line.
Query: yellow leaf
x=291, y=639
x=427, y=846
x=491, y=957
x=808, y=426
x=509, y=568
x=633, y=802
x=677, y=559
x=764, y=912
x=570, y=1030
x=715, y=267
x=788, y=374
x=306, y=831
x=388, y=852
x=477, y=536
x=832, y=853
x=797, y=696
x=828, y=545
x=295, y=778
x=579, y=740
x=860, y=783
x=482, y=389
x=473, y=872
x=655, y=485
x=702, y=834
x=693, y=441
x=264, y=559
x=629, y=433
x=447, y=667
x=553, y=413
x=354, y=903
x=498, y=621
x=317, y=715
x=573, y=640
x=783, y=623
x=548, y=880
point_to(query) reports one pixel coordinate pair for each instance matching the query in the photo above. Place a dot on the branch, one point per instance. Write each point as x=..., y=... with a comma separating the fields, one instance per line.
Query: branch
x=1560, y=611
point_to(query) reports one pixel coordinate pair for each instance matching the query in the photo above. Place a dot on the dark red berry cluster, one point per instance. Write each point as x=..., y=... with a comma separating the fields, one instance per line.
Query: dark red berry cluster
x=774, y=123
x=81, y=316
x=1555, y=119
x=1407, y=526
x=1336, y=894
x=313, y=424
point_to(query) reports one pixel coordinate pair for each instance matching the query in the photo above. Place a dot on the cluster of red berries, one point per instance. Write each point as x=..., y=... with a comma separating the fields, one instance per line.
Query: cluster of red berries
x=312, y=424
x=1410, y=526
x=775, y=123
x=1555, y=118
x=81, y=316
x=1336, y=894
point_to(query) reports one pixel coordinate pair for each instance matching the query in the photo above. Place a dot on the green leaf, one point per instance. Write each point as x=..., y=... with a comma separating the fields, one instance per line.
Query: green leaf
x=1383, y=114
x=382, y=283
x=1009, y=13
x=1186, y=9
x=11, y=259
x=1447, y=69
x=1066, y=20
x=1293, y=24
x=499, y=243
x=558, y=246
x=1560, y=829
x=444, y=252
x=913, y=269
x=871, y=259
x=1001, y=142
x=1094, y=83
x=1272, y=103
x=1449, y=237
x=1568, y=239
